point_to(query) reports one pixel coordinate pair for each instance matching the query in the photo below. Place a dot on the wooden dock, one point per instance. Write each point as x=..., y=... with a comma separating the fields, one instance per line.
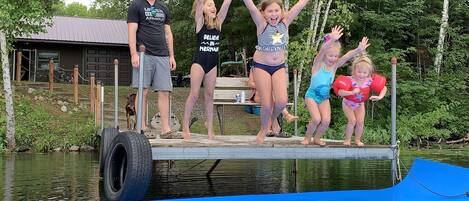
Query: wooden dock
x=244, y=147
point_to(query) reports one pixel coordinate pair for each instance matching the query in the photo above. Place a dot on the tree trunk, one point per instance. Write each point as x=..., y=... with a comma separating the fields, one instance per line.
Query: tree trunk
x=441, y=39
x=307, y=45
x=10, y=129
x=324, y=20
x=316, y=22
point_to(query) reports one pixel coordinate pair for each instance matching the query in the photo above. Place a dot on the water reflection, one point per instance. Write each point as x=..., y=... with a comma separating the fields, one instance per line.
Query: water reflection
x=57, y=176
x=73, y=176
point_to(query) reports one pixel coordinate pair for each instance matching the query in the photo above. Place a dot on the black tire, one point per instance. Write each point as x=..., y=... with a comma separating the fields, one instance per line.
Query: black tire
x=127, y=171
x=107, y=135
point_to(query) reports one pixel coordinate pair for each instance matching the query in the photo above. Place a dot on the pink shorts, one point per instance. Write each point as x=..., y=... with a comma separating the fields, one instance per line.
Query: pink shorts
x=352, y=104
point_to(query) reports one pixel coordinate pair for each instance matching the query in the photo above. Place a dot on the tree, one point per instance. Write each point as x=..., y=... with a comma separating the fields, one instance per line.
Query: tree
x=74, y=9
x=441, y=39
x=18, y=18
x=313, y=38
x=111, y=9
x=10, y=129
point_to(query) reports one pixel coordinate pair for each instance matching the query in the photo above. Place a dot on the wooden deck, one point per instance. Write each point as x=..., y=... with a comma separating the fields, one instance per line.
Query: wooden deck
x=244, y=147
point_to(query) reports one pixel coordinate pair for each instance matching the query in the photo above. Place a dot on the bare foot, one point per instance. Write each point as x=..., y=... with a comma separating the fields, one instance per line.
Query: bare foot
x=347, y=142
x=319, y=142
x=260, y=137
x=186, y=135
x=211, y=136
x=360, y=144
x=290, y=118
x=307, y=140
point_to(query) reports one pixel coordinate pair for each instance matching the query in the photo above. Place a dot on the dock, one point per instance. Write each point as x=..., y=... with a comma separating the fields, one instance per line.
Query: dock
x=242, y=147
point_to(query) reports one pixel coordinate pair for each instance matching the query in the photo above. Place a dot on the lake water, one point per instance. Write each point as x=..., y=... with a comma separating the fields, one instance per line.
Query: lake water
x=74, y=176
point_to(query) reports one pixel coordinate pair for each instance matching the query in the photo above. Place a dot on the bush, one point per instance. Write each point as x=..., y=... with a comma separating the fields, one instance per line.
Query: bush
x=39, y=130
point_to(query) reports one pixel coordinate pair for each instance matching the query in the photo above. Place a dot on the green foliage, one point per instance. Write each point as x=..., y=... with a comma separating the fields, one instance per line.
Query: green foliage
x=74, y=9
x=24, y=17
x=430, y=106
x=423, y=125
x=341, y=15
x=39, y=130
x=110, y=9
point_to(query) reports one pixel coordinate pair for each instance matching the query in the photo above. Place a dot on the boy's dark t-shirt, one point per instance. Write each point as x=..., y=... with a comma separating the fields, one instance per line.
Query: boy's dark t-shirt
x=151, y=22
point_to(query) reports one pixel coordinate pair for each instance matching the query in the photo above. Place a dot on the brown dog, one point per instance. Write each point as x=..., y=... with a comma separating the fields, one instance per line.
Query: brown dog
x=130, y=111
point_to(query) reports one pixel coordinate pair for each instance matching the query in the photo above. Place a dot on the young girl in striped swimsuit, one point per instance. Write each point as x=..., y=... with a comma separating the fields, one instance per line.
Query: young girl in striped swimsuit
x=269, y=59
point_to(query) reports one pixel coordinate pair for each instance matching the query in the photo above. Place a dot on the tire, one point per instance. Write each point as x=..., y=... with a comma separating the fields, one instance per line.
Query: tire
x=127, y=171
x=107, y=135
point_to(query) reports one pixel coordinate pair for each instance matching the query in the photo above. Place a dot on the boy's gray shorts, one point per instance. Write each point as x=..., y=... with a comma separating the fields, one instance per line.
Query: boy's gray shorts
x=157, y=73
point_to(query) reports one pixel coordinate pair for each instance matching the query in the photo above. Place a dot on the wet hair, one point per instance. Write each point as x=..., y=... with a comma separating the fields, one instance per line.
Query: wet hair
x=362, y=58
x=264, y=3
x=210, y=23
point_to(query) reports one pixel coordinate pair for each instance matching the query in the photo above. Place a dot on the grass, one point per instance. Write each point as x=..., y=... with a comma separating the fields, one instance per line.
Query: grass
x=41, y=126
x=237, y=121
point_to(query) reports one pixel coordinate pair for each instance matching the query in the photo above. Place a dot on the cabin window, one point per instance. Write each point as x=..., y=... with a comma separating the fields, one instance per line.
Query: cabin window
x=43, y=59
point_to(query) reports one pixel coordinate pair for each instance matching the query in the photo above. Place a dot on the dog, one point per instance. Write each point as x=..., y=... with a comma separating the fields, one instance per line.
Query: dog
x=130, y=111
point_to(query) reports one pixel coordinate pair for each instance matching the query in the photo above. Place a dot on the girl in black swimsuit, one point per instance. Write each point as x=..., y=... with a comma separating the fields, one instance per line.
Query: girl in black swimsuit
x=208, y=26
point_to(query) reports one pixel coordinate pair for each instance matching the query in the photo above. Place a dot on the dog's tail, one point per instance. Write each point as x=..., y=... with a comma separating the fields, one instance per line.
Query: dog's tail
x=193, y=120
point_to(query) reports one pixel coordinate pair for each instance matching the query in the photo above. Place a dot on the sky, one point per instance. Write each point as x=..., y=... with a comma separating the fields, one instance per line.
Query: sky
x=87, y=3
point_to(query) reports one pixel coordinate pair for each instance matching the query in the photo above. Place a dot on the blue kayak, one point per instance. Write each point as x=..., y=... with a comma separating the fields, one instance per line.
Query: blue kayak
x=426, y=181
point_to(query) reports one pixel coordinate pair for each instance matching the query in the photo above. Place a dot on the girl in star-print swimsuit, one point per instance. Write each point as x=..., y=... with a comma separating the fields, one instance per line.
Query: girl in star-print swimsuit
x=353, y=106
x=270, y=75
x=360, y=97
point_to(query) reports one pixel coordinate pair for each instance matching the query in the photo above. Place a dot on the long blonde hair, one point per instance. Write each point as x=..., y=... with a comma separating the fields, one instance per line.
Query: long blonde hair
x=211, y=23
x=362, y=58
x=334, y=44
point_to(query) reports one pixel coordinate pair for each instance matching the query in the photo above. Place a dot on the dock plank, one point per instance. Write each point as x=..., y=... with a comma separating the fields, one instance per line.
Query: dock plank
x=244, y=147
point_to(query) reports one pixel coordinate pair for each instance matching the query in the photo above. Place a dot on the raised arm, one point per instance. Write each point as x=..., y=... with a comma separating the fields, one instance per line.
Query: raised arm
x=352, y=53
x=256, y=15
x=294, y=11
x=335, y=34
x=223, y=11
x=198, y=14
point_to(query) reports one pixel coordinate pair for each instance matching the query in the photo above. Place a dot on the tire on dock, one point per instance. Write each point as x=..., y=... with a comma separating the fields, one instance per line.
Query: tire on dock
x=107, y=135
x=128, y=166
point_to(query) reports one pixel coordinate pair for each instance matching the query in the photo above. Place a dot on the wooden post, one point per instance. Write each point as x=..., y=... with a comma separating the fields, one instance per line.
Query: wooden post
x=92, y=92
x=75, y=83
x=98, y=104
x=19, y=56
x=51, y=75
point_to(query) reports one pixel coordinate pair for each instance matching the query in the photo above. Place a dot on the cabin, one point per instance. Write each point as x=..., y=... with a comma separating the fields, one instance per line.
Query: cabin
x=92, y=44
